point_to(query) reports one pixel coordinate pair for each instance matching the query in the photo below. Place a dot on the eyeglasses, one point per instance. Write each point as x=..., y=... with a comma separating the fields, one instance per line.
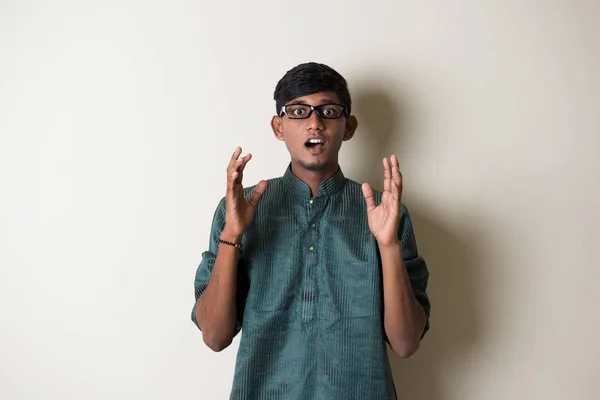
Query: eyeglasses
x=303, y=111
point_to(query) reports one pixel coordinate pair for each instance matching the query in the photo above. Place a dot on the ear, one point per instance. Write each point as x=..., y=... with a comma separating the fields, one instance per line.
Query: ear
x=277, y=126
x=350, y=129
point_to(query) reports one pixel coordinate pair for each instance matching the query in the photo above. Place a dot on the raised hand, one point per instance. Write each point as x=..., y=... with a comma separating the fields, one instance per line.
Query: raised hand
x=239, y=211
x=384, y=219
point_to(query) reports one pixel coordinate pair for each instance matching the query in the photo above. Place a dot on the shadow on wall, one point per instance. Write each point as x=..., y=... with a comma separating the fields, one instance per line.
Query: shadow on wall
x=451, y=253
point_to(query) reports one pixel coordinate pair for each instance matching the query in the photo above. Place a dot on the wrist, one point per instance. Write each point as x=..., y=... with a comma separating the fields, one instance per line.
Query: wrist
x=391, y=257
x=231, y=236
x=392, y=246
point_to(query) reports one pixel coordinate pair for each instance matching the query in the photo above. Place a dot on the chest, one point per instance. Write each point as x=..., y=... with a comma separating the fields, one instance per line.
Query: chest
x=315, y=256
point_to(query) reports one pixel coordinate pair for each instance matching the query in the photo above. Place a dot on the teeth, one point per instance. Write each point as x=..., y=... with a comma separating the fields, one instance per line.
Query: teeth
x=315, y=141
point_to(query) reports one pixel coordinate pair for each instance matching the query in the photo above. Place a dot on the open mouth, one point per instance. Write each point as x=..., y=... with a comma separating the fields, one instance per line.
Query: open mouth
x=315, y=144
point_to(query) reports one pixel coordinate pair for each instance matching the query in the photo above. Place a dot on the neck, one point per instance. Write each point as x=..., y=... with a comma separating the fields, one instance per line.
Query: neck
x=314, y=177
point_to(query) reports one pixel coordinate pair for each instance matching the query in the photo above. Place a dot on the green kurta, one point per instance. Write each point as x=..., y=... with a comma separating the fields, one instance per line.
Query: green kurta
x=310, y=305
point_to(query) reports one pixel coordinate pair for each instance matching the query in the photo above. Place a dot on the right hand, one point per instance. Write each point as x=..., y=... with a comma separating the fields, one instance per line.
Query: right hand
x=239, y=212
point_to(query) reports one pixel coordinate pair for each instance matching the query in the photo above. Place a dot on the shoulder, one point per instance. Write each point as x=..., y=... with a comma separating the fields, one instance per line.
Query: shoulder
x=274, y=186
x=354, y=190
x=273, y=190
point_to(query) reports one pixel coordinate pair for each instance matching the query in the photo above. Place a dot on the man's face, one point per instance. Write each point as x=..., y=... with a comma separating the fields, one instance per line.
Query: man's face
x=314, y=142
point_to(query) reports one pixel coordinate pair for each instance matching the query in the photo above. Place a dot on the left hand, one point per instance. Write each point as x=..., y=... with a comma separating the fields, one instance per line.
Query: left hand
x=384, y=219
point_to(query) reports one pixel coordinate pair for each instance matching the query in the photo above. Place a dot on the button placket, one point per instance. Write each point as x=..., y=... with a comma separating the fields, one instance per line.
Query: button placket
x=310, y=295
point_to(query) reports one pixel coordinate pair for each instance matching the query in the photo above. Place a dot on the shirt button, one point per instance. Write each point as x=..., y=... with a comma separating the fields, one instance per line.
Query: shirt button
x=314, y=225
x=311, y=201
x=311, y=248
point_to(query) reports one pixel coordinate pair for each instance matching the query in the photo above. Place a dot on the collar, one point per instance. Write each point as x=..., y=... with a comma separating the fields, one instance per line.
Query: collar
x=326, y=188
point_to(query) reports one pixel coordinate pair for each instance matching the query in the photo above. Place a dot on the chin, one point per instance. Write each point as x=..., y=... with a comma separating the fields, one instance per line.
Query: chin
x=314, y=166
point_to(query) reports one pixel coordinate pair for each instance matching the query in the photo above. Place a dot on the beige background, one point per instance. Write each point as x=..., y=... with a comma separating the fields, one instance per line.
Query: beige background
x=117, y=119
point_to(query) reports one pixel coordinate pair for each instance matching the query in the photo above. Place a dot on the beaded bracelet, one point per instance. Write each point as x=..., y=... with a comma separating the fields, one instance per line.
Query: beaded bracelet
x=236, y=245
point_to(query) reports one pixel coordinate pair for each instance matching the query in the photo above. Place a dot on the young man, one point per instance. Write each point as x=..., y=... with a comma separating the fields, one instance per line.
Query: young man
x=319, y=271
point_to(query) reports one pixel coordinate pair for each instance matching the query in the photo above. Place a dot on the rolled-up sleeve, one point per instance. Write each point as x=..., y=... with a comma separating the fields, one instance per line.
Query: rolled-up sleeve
x=207, y=263
x=414, y=263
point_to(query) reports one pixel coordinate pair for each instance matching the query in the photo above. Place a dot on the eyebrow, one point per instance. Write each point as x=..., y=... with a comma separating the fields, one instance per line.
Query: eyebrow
x=303, y=102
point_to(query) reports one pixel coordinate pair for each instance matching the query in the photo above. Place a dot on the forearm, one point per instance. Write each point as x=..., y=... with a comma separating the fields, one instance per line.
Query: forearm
x=216, y=308
x=404, y=318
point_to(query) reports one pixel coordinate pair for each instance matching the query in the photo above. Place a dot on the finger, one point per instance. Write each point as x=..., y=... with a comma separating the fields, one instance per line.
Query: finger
x=398, y=179
x=239, y=166
x=257, y=193
x=231, y=182
x=239, y=162
x=395, y=181
x=387, y=176
x=369, y=198
x=234, y=157
x=396, y=175
x=244, y=160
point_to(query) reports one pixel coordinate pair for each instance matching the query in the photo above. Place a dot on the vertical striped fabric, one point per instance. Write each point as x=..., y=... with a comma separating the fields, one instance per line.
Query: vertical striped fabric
x=309, y=294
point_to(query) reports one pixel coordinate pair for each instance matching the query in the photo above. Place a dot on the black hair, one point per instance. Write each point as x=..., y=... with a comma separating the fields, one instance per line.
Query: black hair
x=309, y=78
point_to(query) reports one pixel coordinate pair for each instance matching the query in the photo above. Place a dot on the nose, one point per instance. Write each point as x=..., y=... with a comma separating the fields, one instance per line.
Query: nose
x=314, y=122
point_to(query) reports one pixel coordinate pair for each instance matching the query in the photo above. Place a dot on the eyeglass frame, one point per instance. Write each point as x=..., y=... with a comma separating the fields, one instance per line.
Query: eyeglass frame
x=314, y=108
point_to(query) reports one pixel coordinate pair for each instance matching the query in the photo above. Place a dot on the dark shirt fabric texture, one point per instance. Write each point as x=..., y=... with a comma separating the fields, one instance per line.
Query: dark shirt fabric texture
x=310, y=301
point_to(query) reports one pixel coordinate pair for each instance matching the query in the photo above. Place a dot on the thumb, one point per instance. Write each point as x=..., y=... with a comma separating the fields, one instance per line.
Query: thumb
x=369, y=198
x=257, y=193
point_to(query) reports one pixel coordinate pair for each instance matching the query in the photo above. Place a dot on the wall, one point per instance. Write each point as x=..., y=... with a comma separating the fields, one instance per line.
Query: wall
x=117, y=120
